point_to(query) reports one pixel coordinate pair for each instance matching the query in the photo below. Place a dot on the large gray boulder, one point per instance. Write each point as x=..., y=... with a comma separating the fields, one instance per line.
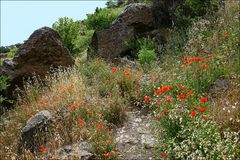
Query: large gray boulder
x=111, y=43
x=36, y=132
x=44, y=49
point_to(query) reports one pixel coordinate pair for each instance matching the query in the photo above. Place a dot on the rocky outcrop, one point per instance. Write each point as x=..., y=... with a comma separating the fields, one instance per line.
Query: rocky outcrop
x=3, y=55
x=44, y=49
x=81, y=151
x=111, y=43
x=163, y=12
x=34, y=134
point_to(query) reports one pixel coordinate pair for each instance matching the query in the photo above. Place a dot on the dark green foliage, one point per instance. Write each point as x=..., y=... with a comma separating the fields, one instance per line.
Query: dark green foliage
x=191, y=10
x=5, y=49
x=102, y=18
x=83, y=40
x=3, y=86
x=69, y=30
x=136, y=44
x=76, y=37
x=111, y=3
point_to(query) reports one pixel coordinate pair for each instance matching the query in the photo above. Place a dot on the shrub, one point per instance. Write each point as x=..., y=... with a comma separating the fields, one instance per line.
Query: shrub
x=12, y=52
x=136, y=44
x=191, y=10
x=69, y=30
x=3, y=86
x=146, y=56
x=102, y=18
x=82, y=41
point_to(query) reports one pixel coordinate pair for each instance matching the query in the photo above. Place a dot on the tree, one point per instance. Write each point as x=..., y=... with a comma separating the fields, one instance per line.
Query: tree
x=69, y=30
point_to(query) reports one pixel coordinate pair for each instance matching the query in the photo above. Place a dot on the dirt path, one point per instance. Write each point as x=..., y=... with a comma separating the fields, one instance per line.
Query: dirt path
x=134, y=138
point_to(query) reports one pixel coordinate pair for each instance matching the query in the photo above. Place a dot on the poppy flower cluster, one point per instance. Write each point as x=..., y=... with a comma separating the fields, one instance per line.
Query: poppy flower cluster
x=163, y=89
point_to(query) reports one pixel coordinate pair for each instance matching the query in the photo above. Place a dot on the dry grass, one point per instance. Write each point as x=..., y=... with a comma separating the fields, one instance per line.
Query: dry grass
x=226, y=107
x=60, y=92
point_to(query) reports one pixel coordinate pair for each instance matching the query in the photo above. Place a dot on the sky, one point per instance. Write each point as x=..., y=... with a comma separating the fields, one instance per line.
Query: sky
x=20, y=18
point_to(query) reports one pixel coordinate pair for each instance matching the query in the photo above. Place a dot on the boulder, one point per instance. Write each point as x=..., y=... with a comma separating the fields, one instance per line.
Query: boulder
x=44, y=49
x=163, y=12
x=35, y=133
x=137, y=15
x=219, y=88
x=3, y=55
x=82, y=151
x=111, y=43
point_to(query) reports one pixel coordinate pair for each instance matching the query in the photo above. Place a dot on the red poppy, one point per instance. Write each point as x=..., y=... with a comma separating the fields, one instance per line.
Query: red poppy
x=109, y=132
x=81, y=121
x=157, y=103
x=158, y=117
x=189, y=93
x=165, y=112
x=203, y=100
x=159, y=91
x=73, y=106
x=202, y=109
x=107, y=155
x=226, y=35
x=169, y=88
x=196, y=59
x=164, y=155
x=147, y=99
x=137, y=83
x=193, y=113
x=204, y=118
x=90, y=112
x=181, y=96
x=78, y=101
x=42, y=149
x=168, y=100
x=203, y=65
x=81, y=126
x=114, y=70
x=164, y=88
x=108, y=141
x=181, y=88
x=100, y=126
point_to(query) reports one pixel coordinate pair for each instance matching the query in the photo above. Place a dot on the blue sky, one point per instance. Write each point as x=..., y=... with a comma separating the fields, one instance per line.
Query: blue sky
x=20, y=18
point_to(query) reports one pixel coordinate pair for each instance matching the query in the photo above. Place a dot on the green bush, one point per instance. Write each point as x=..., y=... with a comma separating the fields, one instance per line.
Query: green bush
x=82, y=42
x=69, y=30
x=12, y=52
x=102, y=18
x=191, y=10
x=3, y=86
x=146, y=56
x=136, y=44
